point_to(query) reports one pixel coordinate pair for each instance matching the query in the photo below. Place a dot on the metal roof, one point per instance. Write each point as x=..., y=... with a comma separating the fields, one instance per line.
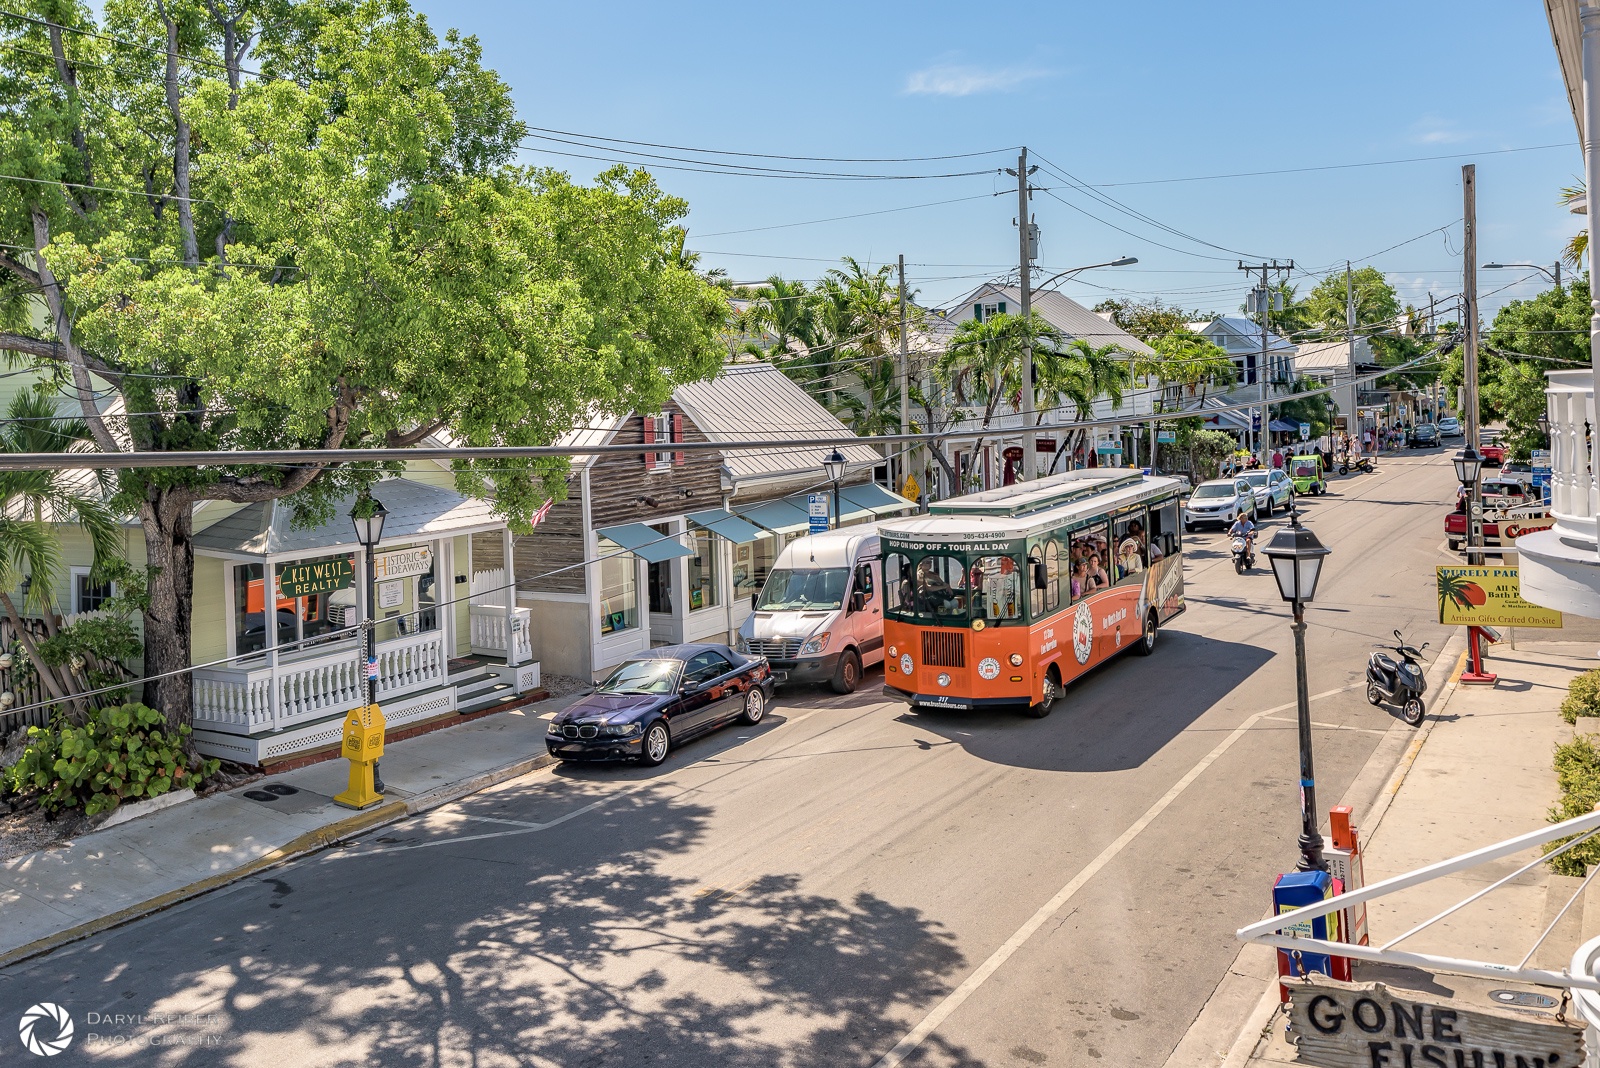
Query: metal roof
x=1061, y=312
x=756, y=400
x=958, y=529
x=415, y=511
x=1250, y=331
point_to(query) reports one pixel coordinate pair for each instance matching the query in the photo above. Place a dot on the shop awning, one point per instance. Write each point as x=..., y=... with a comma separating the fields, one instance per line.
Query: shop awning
x=729, y=526
x=781, y=516
x=874, y=498
x=1283, y=426
x=645, y=541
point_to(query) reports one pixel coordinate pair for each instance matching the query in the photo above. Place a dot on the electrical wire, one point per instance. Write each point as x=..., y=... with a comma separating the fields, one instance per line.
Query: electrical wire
x=1335, y=166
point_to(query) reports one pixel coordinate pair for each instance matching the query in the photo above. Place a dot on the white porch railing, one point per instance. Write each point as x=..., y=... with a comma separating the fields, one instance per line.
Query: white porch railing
x=489, y=631
x=246, y=700
x=1574, y=498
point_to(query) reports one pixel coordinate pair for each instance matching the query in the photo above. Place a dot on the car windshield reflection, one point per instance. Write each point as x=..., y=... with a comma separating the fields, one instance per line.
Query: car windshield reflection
x=653, y=676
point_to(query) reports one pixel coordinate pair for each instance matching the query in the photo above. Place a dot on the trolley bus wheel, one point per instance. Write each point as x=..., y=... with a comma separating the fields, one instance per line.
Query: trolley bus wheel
x=1147, y=642
x=847, y=676
x=1047, y=700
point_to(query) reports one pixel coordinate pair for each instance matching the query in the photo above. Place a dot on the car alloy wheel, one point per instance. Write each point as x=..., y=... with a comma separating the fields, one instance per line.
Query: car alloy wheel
x=755, y=706
x=657, y=742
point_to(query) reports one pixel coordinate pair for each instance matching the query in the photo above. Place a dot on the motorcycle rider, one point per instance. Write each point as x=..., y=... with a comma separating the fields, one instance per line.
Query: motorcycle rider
x=1244, y=528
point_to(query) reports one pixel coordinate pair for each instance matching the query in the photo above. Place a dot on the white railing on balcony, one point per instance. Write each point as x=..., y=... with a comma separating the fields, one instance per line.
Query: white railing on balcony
x=489, y=631
x=308, y=686
x=1574, y=497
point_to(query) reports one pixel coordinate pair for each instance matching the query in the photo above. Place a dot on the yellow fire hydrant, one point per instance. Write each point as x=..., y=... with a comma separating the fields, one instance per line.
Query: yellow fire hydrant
x=363, y=745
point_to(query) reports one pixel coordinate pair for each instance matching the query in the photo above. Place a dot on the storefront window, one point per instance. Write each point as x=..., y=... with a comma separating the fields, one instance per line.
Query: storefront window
x=751, y=562
x=619, y=589
x=702, y=570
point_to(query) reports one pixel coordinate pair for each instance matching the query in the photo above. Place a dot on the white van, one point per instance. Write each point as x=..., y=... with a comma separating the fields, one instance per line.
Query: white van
x=819, y=617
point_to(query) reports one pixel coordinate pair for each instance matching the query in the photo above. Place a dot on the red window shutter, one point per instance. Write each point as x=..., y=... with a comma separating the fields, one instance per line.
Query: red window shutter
x=677, y=435
x=649, y=439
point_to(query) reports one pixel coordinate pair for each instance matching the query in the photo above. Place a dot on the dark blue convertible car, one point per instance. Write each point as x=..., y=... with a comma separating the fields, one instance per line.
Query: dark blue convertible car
x=660, y=699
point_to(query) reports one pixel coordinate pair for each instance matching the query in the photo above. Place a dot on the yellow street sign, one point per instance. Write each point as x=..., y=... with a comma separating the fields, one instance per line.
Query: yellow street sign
x=1488, y=597
x=909, y=489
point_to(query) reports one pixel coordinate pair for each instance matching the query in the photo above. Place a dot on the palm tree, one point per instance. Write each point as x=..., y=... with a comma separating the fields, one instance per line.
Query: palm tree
x=871, y=405
x=1082, y=373
x=30, y=501
x=788, y=310
x=982, y=365
x=1578, y=247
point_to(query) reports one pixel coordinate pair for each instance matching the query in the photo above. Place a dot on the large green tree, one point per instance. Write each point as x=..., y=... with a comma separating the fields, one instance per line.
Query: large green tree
x=278, y=224
x=1376, y=303
x=1150, y=320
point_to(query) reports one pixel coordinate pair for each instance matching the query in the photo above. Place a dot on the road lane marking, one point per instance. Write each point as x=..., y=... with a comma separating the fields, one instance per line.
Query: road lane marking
x=953, y=1001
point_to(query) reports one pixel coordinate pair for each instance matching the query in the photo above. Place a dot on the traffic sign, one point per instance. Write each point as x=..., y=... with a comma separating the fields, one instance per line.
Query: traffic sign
x=1305, y=431
x=910, y=489
x=817, y=505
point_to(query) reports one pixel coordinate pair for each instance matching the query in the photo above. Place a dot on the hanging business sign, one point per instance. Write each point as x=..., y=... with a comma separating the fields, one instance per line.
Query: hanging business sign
x=315, y=576
x=1488, y=597
x=391, y=594
x=1359, y=1025
x=402, y=563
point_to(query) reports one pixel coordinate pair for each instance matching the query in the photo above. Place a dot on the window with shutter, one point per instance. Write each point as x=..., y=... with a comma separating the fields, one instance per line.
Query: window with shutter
x=677, y=435
x=649, y=439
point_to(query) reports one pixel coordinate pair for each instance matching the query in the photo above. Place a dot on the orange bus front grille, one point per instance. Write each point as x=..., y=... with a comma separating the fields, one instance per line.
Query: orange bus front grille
x=943, y=650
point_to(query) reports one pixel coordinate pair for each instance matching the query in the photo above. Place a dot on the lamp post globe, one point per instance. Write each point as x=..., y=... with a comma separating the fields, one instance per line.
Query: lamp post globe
x=1467, y=464
x=833, y=466
x=1297, y=557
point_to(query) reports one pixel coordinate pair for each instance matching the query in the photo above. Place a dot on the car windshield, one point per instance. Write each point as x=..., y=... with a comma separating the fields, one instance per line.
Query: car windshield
x=1304, y=468
x=1256, y=478
x=1220, y=489
x=793, y=589
x=643, y=676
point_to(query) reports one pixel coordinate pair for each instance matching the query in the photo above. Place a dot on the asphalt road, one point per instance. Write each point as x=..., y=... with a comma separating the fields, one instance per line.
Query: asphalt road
x=843, y=881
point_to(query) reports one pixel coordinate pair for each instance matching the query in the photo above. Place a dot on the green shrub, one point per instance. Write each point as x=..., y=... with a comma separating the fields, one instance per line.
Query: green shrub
x=1578, y=772
x=1583, y=697
x=123, y=752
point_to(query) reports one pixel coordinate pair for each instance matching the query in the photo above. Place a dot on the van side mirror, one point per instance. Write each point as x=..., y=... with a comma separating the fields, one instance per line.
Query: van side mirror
x=858, y=600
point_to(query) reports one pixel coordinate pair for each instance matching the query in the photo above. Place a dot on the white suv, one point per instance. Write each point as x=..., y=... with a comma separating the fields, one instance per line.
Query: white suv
x=1273, y=489
x=1219, y=501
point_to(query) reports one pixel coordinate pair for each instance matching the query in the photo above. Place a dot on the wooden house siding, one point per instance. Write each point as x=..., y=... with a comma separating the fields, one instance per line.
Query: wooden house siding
x=625, y=492
x=555, y=543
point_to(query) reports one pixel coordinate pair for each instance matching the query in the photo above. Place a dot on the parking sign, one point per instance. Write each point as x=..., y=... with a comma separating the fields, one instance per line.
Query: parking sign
x=817, y=504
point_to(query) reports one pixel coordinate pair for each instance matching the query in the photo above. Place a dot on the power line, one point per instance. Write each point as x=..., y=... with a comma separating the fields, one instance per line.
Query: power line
x=860, y=215
x=1334, y=166
x=768, y=155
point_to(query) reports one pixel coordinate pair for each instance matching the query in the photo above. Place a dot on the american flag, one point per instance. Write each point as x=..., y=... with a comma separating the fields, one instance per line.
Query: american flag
x=544, y=510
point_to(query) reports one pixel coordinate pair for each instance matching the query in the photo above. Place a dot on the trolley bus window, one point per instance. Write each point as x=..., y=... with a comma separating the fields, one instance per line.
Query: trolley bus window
x=897, y=588
x=1129, y=554
x=996, y=589
x=1163, y=531
x=1089, y=557
x=932, y=590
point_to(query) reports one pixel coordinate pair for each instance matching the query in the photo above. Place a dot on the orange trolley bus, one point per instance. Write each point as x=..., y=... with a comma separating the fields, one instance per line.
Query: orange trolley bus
x=999, y=599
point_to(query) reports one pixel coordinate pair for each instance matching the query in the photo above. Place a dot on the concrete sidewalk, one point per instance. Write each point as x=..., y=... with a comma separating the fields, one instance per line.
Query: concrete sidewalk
x=1482, y=774
x=116, y=874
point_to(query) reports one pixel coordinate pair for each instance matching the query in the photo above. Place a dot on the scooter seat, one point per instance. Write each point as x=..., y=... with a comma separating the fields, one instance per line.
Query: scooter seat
x=1385, y=661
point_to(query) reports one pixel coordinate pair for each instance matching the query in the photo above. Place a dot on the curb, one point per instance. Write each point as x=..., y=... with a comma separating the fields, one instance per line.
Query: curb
x=1256, y=1025
x=310, y=842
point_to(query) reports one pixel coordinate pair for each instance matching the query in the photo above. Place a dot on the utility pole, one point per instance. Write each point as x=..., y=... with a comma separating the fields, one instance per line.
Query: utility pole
x=1469, y=351
x=1025, y=243
x=905, y=377
x=1350, y=344
x=1263, y=299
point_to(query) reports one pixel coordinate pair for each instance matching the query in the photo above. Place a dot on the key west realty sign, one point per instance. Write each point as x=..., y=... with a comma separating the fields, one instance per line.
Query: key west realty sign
x=315, y=576
x=1369, y=1025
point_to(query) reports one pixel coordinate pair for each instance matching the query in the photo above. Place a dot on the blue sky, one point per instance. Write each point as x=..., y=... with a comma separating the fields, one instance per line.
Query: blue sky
x=1109, y=93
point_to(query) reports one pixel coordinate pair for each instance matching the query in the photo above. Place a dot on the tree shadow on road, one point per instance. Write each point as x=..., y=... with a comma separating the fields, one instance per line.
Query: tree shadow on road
x=593, y=943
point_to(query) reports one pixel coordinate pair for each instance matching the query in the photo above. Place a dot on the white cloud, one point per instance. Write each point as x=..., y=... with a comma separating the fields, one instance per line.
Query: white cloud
x=1433, y=130
x=951, y=79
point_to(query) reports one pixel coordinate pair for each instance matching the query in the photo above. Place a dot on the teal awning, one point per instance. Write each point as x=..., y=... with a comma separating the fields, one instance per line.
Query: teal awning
x=729, y=526
x=781, y=516
x=645, y=541
x=871, y=497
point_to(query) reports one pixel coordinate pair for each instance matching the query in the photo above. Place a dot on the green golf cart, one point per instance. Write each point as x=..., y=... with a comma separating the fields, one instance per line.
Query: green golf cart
x=1307, y=474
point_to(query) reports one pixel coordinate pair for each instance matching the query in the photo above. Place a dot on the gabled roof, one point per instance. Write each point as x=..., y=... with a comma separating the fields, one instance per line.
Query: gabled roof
x=756, y=400
x=414, y=510
x=1248, y=330
x=1060, y=311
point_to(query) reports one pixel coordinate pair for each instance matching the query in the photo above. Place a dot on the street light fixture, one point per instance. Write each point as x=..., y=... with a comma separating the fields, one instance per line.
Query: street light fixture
x=833, y=466
x=1468, y=463
x=1555, y=277
x=1297, y=557
x=1123, y=261
x=368, y=516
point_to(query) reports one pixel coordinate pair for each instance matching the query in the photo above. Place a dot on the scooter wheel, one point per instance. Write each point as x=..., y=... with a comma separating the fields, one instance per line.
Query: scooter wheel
x=1374, y=694
x=1413, y=711
x=1238, y=564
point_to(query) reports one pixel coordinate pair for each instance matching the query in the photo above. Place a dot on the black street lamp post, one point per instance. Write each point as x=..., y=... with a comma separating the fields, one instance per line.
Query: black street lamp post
x=369, y=532
x=833, y=465
x=1468, y=464
x=1296, y=557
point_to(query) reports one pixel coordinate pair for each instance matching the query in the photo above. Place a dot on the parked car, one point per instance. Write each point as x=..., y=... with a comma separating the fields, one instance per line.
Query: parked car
x=659, y=700
x=1307, y=474
x=1273, y=490
x=1450, y=427
x=1219, y=501
x=1493, y=453
x=1423, y=436
x=819, y=616
x=1518, y=471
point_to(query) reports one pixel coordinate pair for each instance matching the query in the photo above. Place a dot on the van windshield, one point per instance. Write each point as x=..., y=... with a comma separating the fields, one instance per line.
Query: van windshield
x=794, y=590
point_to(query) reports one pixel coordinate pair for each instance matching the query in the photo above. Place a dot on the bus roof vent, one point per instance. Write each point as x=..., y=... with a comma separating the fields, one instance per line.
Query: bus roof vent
x=1041, y=495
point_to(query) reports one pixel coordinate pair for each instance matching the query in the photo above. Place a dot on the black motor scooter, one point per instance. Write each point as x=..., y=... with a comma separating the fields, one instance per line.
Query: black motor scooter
x=1398, y=681
x=1362, y=463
